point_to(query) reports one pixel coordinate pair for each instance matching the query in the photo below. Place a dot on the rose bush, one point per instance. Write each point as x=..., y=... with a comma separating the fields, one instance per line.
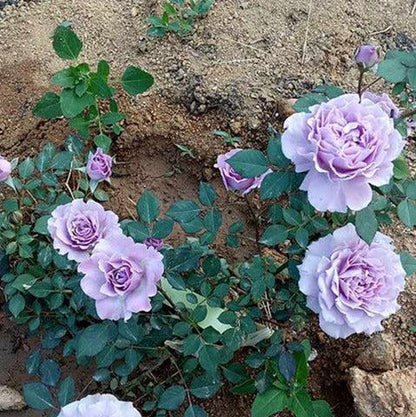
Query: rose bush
x=345, y=145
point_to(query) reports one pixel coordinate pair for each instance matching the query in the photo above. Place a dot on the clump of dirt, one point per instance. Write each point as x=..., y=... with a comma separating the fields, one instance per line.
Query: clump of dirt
x=230, y=74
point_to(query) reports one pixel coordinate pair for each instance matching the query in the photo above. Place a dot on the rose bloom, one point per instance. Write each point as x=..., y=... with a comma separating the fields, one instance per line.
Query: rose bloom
x=345, y=146
x=366, y=56
x=385, y=103
x=5, y=169
x=234, y=181
x=99, y=165
x=353, y=286
x=77, y=227
x=121, y=277
x=154, y=243
x=99, y=405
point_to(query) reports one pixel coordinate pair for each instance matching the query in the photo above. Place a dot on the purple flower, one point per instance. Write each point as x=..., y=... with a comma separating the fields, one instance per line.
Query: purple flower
x=5, y=169
x=121, y=277
x=152, y=242
x=384, y=102
x=99, y=405
x=99, y=165
x=353, y=286
x=366, y=56
x=77, y=227
x=345, y=146
x=234, y=181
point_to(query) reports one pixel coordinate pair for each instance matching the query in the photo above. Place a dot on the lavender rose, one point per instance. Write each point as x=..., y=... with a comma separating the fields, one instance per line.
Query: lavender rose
x=234, y=181
x=121, y=277
x=152, y=242
x=5, y=169
x=384, y=102
x=345, y=146
x=99, y=405
x=99, y=165
x=77, y=227
x=366, y=56
x=353, y=286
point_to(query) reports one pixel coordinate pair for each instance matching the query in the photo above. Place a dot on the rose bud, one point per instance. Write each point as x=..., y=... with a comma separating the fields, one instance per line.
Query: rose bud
x=366, y=56
x=5, y=169
x=99, y=166
x=152, y=242
x=233, y=180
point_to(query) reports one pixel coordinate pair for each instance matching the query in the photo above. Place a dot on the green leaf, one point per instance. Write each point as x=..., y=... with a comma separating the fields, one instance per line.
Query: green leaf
x=392, y=70
x=93, y=339
x=41, y=225
x=195, y=411
x=136, y=81
x=138, y=231
x=17, y=304
x=111, y=118
x=274, y=235
x=64, y=78
x=183, y=211
x=103, y=69
x=24, y=282
x=321, y=409
x=163, y=228
x=37, y=396
x=62, y=161
x=50, y=372
x=366, y=224
x=400, y=169
x=72, y=105
x=33, y=362
x=275, y=153
x=208, y=357
x=48, y=107
x=26, y=168
x=100, y=88
x=271, y=402
x=301, y=404
x=207, y=194
x=103, y=142
x=249, y=163
x=274, y=185
x=408, y=263
x=287, y=365
x=204, y=386
x=148, y=207
x=66, y=391
x=172, y=398
x=302, y=237
x=66, y=43
x=406, y=211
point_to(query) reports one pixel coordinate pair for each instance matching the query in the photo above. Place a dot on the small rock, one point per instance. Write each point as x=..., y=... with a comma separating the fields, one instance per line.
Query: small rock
x=390, y=394
x=285, y=108
x=380, y=353
x=134, y=11
x=10, y=399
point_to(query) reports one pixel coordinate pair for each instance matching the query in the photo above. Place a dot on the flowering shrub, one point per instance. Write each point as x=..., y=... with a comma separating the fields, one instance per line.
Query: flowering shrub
x=122, y=300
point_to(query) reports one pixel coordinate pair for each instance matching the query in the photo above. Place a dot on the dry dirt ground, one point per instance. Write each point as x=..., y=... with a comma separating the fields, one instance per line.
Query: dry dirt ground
x=232, y=73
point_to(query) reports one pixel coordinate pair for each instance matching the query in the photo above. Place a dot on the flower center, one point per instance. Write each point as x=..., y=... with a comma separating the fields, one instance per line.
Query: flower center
x=83, y=230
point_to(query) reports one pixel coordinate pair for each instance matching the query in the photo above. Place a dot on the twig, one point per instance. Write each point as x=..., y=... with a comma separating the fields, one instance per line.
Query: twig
x=255, y=219
x=305, y=43
x=360, y=83
x=371, y=84
x=413, y=8
x=381, y=31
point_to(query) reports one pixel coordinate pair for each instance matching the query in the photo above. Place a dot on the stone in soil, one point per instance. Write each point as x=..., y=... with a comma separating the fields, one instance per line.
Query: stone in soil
x=10, y=399
x=380, y=353
x=390, y=394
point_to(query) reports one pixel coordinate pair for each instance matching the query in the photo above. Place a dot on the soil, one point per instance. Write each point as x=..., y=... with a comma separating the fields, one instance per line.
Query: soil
x=233, y=73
